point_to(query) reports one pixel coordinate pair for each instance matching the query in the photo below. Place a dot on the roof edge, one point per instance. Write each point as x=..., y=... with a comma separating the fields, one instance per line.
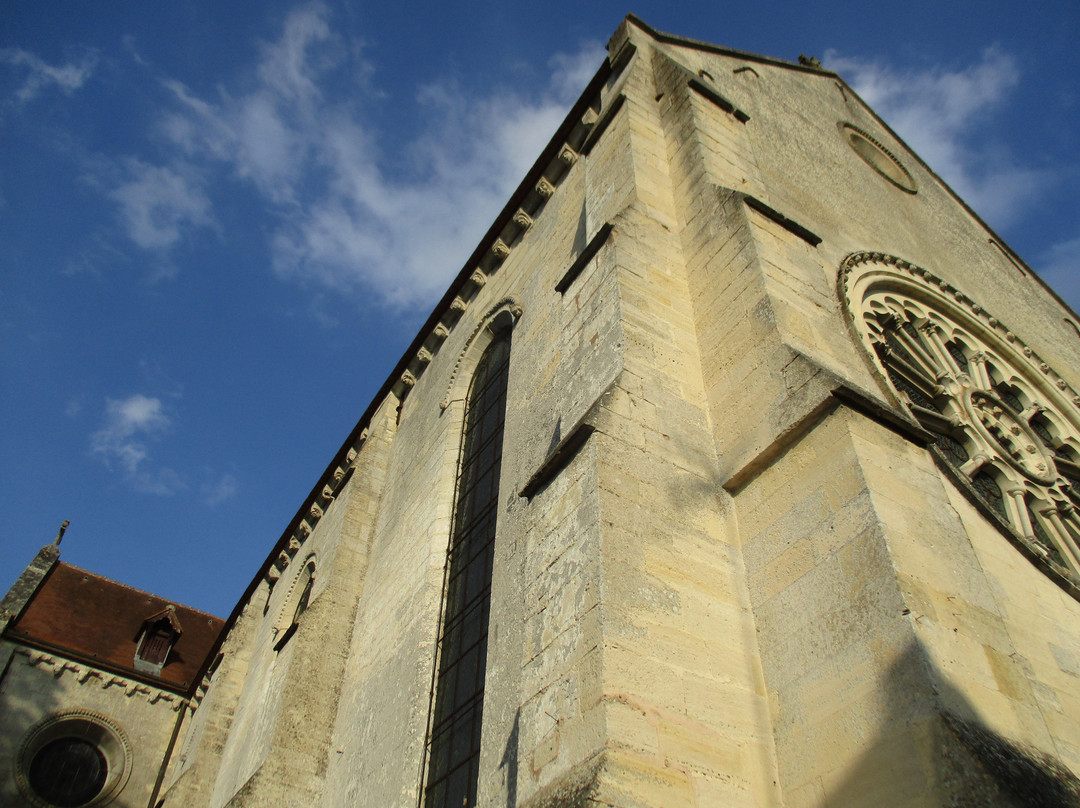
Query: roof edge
x=696, y=44
x=167, y=601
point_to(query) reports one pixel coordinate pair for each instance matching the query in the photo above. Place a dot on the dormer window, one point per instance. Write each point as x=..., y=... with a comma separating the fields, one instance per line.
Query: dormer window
x=158, y=636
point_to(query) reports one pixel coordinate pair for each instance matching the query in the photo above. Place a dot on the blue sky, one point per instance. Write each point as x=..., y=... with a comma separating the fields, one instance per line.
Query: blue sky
x=209, y=216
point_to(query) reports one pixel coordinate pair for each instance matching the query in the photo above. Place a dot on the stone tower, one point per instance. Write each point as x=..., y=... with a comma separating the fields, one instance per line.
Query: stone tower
x=735, y=468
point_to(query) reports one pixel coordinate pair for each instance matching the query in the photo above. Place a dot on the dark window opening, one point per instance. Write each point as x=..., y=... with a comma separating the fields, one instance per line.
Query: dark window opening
x=68, y=772
x=1043, y=537
x=956, y=351
x=159, y=634
x=954, y=449
x=917, y=396
x=1007, y=394
x=1040, y=426
x=454, y=743
x=305, y=596
x=990, y=491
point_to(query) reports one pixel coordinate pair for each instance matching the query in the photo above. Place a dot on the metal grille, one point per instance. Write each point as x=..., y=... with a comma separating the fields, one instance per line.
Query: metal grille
x=991, y=492
x=454, y=745
x=954, y=449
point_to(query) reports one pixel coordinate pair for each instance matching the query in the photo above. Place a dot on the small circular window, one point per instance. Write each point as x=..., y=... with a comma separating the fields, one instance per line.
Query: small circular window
x=878, y=157
x=73, y=759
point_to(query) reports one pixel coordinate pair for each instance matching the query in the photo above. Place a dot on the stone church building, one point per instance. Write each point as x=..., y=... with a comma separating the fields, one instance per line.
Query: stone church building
x=739, y=466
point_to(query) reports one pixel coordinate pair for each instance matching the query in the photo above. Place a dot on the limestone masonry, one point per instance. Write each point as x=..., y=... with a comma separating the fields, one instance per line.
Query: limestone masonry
x=739, y=466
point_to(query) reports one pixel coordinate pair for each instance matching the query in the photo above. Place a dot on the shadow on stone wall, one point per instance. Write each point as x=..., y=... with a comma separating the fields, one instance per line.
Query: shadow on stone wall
x=509, y=761
x=20, y=711
x=966, y=764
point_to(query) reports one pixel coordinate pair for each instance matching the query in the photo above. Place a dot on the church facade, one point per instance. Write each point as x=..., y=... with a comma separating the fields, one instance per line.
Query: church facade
x=739, y=466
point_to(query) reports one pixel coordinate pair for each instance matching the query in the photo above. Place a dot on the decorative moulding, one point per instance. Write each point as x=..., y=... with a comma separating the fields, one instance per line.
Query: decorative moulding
x=874, y=154
x=85, y=674
x=508, y=305
x=500, y=249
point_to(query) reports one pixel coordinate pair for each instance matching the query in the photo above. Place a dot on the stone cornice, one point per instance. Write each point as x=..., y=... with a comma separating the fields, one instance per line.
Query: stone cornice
x=89, y=675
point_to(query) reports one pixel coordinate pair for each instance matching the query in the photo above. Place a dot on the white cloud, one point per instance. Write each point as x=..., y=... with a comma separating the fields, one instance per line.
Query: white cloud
x=157, y=203
x=287, y=67
x=936, y=111
x=40, y=75
x=126, y=421
x=218, y=488
x=571, y=72
x=129, y=424
x=348, y=222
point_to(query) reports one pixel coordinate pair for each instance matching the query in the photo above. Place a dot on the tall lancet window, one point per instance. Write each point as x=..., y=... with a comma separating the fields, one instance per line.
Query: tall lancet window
x=454, y=746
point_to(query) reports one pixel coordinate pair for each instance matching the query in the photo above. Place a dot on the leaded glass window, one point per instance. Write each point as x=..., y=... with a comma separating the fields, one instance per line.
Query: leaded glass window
x=454, y=742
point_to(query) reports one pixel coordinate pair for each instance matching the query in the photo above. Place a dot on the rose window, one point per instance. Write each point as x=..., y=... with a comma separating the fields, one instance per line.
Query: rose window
x=999, y=417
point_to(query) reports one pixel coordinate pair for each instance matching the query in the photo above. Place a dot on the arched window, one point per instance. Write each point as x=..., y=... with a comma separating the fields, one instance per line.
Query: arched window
x=454, y=742
x=295, y=605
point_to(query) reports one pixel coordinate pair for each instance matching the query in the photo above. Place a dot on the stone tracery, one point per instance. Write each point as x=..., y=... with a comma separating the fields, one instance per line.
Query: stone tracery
x=998, y=415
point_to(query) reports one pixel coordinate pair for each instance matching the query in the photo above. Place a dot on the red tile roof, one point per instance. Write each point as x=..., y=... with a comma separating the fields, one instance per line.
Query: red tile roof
x=96, y=620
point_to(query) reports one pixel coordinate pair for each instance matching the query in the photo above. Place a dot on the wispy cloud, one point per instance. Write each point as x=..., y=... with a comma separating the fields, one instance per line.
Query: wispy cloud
x=130, y=423
x=218, y=488
x=348, y=221
x=937, y=111
x=158, y=202
x=572, y=71
x=40, y=75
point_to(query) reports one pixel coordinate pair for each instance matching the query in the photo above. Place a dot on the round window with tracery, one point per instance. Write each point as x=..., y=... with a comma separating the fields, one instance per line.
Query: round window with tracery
x=73, y=759
x=1002, y=421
